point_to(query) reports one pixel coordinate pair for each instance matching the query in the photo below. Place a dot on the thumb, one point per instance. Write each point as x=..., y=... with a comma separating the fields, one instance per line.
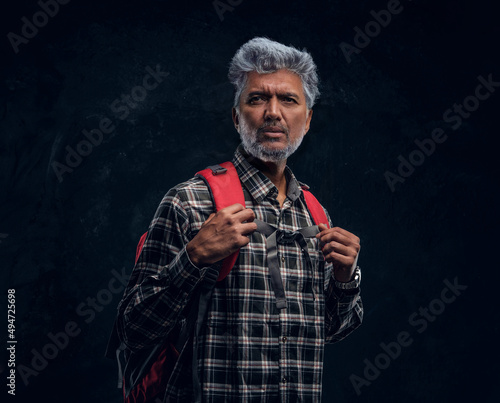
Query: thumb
x=322, y=227
x=209, y=219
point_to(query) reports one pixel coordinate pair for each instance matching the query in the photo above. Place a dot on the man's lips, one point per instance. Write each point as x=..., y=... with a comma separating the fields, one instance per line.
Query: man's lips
x=272, y=131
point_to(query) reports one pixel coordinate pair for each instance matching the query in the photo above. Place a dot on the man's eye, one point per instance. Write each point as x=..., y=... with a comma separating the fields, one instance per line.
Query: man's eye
x=289, y=100
x=255, y=99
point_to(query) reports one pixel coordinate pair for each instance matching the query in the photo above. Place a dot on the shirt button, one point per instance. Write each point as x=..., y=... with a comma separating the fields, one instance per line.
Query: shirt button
x=284, y=339
x=282, y=259
x=284, y=380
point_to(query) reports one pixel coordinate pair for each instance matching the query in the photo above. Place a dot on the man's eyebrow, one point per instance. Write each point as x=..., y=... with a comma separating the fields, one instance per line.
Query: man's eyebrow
x=280, y=94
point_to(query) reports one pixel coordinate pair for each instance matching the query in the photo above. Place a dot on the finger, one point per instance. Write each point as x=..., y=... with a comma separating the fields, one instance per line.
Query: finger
x=247, y=228
x=322, y=227
x=332, y=235
x=209, y=218
x=323, y=230
x=336, y=236
x=245, y=215
x=338, y=248
x=243, y=240
x=347, y=234
x=339, y=230
x=335, y=257
x=232, y=209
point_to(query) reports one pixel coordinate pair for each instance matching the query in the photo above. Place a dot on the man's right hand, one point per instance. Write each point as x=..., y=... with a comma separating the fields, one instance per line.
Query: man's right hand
x=222, y=234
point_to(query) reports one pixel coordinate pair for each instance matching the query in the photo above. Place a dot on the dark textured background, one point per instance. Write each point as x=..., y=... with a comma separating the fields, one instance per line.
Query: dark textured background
x=61, y=240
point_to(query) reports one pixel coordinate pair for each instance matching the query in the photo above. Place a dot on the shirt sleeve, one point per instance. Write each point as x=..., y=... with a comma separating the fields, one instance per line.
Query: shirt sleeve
x=343, y=313
x=343, y=308
x=163, y=279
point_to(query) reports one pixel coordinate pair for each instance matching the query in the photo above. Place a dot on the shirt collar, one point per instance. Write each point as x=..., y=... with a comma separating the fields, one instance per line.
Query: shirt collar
x=259, y=185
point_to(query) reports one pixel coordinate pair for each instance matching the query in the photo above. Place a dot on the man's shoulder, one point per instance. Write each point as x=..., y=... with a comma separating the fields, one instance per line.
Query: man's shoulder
x=312, y=201
x=188, y=192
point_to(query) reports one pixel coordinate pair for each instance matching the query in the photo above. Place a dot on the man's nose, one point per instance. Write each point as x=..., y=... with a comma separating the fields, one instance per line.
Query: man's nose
x=272, y=109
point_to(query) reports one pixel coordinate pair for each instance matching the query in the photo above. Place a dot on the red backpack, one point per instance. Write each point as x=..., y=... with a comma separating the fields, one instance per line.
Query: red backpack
x=146, y=374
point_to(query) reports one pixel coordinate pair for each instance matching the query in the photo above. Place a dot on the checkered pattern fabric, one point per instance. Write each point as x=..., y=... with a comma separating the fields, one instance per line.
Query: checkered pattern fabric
x=249, y=350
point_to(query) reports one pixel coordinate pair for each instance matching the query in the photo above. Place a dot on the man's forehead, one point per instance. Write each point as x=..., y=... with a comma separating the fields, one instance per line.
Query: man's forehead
x=282, y=81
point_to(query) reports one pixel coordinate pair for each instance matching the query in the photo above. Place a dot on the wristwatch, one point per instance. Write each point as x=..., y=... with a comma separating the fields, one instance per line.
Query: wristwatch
x=354, y=283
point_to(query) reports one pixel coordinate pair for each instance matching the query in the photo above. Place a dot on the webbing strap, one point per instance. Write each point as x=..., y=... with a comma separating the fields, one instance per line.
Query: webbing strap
x=274, y=271
x=226, y=189
x=264, y=228
x=119, y=351
x=276, y=236
x=206, y=291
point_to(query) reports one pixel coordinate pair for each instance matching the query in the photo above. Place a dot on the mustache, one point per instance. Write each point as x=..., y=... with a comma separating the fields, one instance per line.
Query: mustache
x=273, y=123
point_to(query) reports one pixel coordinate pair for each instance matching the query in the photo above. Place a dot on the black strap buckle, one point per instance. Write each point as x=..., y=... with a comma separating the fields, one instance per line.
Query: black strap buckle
x=217, y=169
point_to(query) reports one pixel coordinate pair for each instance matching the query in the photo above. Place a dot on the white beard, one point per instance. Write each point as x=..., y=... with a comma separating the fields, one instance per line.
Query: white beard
x=256, y=149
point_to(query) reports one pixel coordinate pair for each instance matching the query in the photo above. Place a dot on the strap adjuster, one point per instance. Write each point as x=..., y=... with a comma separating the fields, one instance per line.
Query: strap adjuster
x=217, y=170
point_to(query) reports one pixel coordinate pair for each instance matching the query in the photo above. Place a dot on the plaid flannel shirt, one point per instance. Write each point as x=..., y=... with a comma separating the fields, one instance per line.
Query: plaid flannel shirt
x=249, y=350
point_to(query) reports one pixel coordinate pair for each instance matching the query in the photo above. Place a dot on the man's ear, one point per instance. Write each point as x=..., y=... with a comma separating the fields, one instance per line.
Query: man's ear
x=308, y=121
x=236, y=118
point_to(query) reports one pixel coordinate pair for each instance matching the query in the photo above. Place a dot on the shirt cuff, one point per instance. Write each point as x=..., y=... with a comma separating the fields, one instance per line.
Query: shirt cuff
x=183, y=274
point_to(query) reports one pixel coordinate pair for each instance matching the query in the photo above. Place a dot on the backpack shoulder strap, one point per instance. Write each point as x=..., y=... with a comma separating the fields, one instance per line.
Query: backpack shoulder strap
x=315, y=208
x=225, y=185
x=139, y=246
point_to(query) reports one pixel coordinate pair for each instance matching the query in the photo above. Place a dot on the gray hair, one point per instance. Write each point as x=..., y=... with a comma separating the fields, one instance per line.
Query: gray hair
x=266, y=56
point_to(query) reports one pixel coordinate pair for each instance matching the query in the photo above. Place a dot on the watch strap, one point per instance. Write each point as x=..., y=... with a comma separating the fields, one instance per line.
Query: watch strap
x=354, y=283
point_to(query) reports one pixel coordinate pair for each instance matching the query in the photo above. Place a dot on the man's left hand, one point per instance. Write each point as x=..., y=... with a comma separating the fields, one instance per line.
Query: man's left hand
x=341, y=248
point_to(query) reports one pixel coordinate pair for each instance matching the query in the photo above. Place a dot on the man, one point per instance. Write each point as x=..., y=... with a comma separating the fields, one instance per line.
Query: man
x=250, y=349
